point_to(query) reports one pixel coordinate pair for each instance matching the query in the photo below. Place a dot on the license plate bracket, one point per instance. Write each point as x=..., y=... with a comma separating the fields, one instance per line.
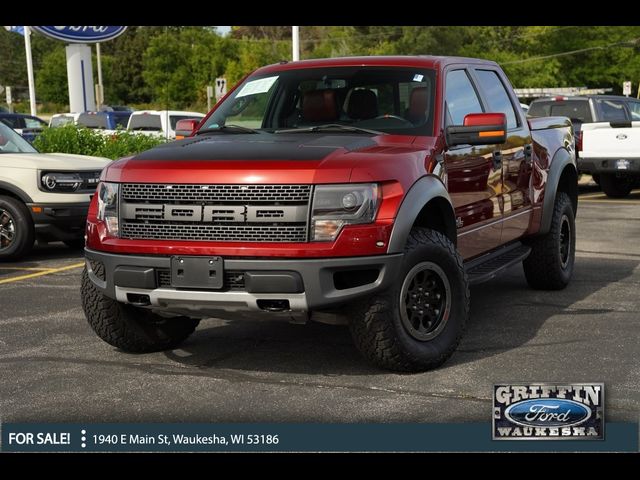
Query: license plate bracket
x=197, y=272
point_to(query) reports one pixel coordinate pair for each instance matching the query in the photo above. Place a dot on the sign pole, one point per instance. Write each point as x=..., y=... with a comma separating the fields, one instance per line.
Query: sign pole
x=100, y=99
x=32, y=89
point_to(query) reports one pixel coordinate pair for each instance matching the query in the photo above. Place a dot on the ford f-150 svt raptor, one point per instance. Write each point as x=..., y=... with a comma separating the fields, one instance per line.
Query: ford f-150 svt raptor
x=375, y=189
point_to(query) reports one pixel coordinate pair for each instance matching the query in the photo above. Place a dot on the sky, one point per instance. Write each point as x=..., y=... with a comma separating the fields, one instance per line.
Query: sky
x=224, y=29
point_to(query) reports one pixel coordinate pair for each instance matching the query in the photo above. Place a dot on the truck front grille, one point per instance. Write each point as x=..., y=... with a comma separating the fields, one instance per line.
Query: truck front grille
x=216, y=193
x=216, y=213
x=214, y=233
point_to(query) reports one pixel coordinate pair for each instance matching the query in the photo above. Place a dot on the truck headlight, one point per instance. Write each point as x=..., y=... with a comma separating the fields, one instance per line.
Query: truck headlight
x=335, y=206
x=108, y=206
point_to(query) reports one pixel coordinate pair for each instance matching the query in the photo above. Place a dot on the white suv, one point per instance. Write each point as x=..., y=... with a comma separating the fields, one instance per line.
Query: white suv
x=42, y=196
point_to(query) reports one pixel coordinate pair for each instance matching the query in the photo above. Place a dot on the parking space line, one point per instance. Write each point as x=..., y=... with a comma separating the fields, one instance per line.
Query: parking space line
x=39, y=274
x=619, y=202
x=31, y=269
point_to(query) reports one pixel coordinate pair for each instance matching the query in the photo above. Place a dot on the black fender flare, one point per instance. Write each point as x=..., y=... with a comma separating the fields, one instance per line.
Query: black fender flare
x=560, y=160
x=422, y=192
x=16, y=191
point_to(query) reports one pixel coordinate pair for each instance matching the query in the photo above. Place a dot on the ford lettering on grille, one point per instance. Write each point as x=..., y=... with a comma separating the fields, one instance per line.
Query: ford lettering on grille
x=262, y=213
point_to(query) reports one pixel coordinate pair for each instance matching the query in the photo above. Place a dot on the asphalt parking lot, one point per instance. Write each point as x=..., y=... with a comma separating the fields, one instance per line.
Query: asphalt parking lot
x=53, y=368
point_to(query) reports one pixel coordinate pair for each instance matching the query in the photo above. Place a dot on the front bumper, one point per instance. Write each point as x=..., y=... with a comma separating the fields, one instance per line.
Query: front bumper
x=59, y=221
x=275, y=285
x=609, y=165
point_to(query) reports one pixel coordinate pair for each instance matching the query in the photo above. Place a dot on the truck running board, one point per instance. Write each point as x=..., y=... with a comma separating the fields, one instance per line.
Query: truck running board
x=491, y=264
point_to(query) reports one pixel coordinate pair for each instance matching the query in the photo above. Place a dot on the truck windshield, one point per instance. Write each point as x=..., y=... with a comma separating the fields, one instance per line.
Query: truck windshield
x=11, y=142
x=386, y=99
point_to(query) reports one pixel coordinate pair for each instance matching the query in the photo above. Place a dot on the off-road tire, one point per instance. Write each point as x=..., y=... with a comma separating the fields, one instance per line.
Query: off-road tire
x=24, y=235
x=131, y=329
x=544, y=268
x=615, y=187
x=376, y=324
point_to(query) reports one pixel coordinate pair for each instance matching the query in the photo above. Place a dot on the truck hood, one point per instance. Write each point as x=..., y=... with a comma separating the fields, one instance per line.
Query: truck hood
x=54, y=161
x=272, y=158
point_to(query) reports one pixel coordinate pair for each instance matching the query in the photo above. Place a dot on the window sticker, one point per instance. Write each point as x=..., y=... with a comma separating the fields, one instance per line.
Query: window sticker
x=417, y=77
x=253, y=87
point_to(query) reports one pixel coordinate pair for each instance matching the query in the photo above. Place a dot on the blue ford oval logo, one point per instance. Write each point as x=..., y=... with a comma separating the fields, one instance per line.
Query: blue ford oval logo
x=547, y=412
x=81, y=34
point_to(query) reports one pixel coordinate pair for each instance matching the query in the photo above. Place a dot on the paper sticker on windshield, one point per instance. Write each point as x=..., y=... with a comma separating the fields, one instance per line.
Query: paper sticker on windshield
x=417, y=77
x=261, y=85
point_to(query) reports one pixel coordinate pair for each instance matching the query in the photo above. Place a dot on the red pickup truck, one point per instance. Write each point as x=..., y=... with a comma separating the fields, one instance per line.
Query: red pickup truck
x=372, y=191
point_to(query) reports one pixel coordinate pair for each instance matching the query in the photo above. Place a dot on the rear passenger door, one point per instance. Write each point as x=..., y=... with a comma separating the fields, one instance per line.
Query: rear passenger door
x=473, y=181
x=514, y=199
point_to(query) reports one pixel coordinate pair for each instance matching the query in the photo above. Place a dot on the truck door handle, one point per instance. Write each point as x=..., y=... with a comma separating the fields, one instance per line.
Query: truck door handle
x=497, y=160
x=528, y=152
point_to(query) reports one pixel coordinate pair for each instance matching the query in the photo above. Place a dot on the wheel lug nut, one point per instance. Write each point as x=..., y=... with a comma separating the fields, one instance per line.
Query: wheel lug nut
x=438, y=296
x=421, y=312
x=415, y=307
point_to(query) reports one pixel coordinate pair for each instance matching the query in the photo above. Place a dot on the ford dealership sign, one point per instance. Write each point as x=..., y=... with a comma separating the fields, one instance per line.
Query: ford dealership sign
x=81, y=34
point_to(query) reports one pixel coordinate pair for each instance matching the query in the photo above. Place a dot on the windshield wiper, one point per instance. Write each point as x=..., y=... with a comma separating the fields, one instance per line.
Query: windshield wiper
x=228, y=128
x=331, y=126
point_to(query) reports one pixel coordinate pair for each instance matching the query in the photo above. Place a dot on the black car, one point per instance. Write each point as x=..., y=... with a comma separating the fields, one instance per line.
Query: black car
x=27, y=126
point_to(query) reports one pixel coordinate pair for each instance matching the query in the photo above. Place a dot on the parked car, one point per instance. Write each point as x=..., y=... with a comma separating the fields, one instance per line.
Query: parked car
x=607, y=139
x=95, y=120
x=525, y=108
x=60, y=119
x=159, y=122
x=42, y=196
x=371, y=191
x=26, y=125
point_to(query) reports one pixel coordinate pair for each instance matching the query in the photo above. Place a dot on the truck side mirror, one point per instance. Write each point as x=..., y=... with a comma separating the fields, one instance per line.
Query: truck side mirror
x=478, y=129
x=185, y=128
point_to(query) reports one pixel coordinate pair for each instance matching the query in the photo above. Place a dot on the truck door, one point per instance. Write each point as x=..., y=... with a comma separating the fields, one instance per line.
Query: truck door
x=474, y=180
x=516, y=152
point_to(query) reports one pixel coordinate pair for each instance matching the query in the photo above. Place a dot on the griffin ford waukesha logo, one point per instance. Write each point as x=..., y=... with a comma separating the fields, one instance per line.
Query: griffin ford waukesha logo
x=548, y=411
x=81, y=34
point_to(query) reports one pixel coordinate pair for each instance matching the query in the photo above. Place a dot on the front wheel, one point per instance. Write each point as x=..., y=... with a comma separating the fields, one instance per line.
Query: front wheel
x=131, y=329
x=417, y=324
x=615, y=187
x=16, y=229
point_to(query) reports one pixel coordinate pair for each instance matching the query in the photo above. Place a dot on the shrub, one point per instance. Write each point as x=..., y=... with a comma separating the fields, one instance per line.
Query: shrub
x=84, y=141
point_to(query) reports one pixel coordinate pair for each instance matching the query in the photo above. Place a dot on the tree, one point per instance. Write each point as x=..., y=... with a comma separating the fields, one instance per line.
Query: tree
x=51, y=78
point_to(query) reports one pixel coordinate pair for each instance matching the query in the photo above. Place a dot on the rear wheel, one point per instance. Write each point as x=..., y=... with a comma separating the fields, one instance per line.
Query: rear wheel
x=615, y=187
x=416, y=324
x=134, y=330
x=16, y=229
x=549, y=266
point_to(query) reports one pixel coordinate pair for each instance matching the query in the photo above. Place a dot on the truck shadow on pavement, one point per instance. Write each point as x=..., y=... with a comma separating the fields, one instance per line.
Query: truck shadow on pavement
x=505, y=315
x=44, y=253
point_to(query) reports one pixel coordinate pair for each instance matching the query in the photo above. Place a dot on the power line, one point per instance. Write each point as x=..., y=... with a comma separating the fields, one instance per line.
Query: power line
x=572, y=52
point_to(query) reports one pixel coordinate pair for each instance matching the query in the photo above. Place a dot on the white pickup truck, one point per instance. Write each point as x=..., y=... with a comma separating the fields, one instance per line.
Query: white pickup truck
x=607, y=129
x=611, y=151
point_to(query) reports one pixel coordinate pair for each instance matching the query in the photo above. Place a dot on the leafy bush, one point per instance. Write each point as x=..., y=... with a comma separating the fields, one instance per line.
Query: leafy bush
x=84, y=141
